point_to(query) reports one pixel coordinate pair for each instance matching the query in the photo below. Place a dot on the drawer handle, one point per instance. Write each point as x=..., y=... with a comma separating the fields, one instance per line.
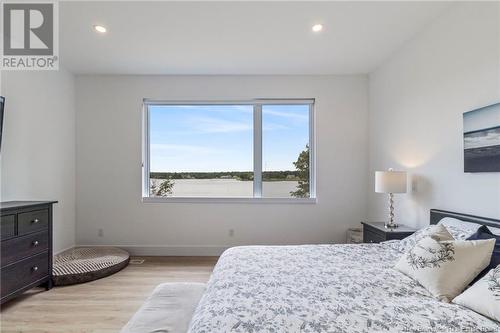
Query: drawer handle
x=35, y=243
x=35, y=268
x=35, y=221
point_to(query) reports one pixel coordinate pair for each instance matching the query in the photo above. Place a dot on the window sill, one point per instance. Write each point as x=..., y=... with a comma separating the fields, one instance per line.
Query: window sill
x=222, y=200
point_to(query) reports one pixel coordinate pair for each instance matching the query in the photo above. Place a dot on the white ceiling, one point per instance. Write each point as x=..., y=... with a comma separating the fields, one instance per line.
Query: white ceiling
x=237, y=37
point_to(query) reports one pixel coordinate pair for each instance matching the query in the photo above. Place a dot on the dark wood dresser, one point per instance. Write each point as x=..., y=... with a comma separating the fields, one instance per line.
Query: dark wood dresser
x=26, y=246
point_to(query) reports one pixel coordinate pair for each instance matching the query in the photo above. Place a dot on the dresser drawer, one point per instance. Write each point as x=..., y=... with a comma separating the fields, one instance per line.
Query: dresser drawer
x=369, y=236
x=24, y=272
x=32, y=221
x=25, y=246
x=7, y=226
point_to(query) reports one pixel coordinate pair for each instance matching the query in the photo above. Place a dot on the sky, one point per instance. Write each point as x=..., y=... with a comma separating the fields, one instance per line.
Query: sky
x=207, y=138
x=482, y=118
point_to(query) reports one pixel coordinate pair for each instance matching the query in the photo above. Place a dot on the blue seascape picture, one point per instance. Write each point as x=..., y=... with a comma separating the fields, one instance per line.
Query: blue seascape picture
x=482, y=139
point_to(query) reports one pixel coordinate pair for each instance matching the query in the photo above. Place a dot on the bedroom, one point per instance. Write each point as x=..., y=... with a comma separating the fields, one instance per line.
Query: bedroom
x=352, y=87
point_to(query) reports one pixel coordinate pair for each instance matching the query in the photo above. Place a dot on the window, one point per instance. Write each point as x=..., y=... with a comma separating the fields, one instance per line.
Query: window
x=246, y=150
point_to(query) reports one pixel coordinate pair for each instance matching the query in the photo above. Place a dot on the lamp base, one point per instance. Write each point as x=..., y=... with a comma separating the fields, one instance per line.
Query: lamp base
x=391, y=224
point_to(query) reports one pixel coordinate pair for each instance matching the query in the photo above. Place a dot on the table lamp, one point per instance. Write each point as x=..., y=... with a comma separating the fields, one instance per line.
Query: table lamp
x=390, y=182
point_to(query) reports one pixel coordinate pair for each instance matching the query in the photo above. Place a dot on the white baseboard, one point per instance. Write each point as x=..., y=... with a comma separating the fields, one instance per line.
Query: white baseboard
x=61, y=251
x=183, y=251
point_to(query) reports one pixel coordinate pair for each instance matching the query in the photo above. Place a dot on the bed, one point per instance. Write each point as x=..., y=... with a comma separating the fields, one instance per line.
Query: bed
x=327, y=288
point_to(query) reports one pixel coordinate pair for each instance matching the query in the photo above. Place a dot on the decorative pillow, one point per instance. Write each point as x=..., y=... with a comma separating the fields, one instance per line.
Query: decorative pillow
x=437, y=232
x=485, y=233
x=484, y=296
x=459, y=229
x=445, y=268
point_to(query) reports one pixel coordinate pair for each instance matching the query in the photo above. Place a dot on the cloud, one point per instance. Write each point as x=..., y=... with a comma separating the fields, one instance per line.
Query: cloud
x=289, y=115
x=214, y=125
x=271, y=127
x=165, y=148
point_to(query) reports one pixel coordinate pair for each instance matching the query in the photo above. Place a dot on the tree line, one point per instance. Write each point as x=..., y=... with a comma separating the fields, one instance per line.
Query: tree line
x=240, y=175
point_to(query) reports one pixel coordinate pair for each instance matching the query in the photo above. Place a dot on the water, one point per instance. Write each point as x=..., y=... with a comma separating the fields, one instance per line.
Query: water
x=228, y=188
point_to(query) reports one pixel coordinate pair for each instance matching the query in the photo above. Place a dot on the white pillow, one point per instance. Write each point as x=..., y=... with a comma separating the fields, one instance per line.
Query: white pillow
x=458, y=228
x=436, y=231
x=484, y=296
x=445, y=268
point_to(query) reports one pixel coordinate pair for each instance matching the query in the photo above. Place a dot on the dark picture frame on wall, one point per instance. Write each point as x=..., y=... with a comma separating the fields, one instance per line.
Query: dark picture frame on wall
x=482, y=139
x=2, y=104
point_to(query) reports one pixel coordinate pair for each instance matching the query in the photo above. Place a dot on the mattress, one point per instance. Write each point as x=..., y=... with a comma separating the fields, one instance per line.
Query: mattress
x=323, y=288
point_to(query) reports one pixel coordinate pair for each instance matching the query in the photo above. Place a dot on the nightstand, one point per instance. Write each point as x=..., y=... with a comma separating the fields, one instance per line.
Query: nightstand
x=375, y=232
x=354, y=236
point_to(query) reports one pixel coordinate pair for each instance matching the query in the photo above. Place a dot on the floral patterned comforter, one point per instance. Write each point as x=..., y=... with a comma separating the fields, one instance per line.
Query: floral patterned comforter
x=323, y=288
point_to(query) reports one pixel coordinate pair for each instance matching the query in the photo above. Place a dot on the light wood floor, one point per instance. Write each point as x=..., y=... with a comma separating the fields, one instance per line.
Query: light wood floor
x=103, y=305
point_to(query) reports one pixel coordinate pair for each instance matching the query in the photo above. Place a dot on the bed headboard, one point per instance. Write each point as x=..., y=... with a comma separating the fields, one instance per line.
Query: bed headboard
x=437, y=215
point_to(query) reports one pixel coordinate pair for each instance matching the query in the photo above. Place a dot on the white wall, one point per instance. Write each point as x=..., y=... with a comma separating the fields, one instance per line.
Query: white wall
x=416, y=103
x=109, y=166
x=38, y=145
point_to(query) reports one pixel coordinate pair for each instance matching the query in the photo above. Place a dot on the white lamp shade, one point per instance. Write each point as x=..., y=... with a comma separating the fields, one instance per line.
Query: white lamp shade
x=390, y=182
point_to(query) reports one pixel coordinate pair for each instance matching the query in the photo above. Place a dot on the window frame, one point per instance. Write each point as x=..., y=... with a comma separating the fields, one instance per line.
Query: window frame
x=257, y=151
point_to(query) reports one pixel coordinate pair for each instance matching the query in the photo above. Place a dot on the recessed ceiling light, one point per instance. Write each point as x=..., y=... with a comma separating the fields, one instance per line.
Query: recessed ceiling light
x=317, y=27
x=100, y=28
